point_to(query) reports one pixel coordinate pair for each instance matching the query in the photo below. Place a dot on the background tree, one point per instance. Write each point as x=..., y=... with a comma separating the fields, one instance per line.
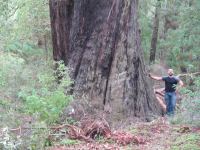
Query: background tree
x=154, y=38
x=100, y=42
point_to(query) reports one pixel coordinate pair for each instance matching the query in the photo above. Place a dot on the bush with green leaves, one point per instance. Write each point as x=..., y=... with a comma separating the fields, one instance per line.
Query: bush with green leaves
x=190, y=105
x=24, y=21
x=10, y=71
x=47, y=97
x=35, y=85
x=29, y=89
x=186, y=142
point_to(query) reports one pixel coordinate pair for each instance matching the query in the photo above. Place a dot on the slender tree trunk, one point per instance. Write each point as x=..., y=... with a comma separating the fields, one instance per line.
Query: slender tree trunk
x=100, y=42
x=45, y=46
x=155, y=34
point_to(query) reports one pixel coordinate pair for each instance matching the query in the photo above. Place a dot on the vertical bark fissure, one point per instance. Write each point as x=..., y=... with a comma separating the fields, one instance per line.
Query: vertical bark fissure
x=86, y=29
x=80, y=58
x=133, y=60
x=113, y=49
x=126, y=82
x=135, y=83
x=109, y=69
x=137, y=63
x=61, y=13
x=70, y=14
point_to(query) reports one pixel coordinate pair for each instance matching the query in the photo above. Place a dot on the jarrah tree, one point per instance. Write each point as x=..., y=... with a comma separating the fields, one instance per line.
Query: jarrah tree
x=99, y=40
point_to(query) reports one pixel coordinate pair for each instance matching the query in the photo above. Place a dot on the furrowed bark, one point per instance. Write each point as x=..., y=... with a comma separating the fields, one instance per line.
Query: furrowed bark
x=100, y=43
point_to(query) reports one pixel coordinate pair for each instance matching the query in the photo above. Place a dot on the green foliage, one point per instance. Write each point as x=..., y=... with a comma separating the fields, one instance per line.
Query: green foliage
x=145, y=15
x=23, y=49
x=28, y=82
x=30, y=89
x=178, y=39
x=11, y=67
x=190, y=105
x=46, y=98
x=38, y=139
x=23, y=23
x=69, y=142
x=187, y=142
x=182, y=44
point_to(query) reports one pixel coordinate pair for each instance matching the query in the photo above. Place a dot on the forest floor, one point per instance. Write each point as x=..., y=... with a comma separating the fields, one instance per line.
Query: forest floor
x=160, y=134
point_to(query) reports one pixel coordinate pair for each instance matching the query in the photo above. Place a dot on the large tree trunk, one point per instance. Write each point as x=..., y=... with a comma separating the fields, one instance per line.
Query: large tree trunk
x=99, y=41
x=155, y=33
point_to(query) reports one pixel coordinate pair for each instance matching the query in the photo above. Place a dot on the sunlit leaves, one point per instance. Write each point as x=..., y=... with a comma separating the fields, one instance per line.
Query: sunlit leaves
x=23, y=21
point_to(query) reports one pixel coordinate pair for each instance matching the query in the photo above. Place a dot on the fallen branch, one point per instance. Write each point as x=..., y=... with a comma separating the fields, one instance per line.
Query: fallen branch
x=188, y=74
x=162, y=104
x=92, y=128
x=31, y=128
x=89, y=130
x=126, y=138
x=78, y=134
x=160, y=93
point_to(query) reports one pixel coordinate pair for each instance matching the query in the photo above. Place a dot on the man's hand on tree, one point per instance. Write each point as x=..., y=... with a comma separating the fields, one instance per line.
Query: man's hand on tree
x=150, y=75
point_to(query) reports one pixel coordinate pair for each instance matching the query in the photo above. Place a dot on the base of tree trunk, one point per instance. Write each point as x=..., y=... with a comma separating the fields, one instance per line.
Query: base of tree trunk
x=100, y=42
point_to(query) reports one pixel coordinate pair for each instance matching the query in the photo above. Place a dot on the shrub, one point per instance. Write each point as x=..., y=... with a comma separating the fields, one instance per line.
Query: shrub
x=186, y=142
x=30, y=95
x=190, y=106
x=46, y=98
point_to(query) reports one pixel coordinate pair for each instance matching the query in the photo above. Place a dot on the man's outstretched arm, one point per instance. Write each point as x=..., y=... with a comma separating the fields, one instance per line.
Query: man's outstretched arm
x=155, y=77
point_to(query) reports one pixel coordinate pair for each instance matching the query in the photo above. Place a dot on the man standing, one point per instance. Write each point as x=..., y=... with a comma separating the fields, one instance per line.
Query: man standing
x=170, y=89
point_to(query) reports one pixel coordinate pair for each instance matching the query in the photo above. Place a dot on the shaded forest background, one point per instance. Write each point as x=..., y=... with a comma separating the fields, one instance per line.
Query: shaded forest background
x=29, y=91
